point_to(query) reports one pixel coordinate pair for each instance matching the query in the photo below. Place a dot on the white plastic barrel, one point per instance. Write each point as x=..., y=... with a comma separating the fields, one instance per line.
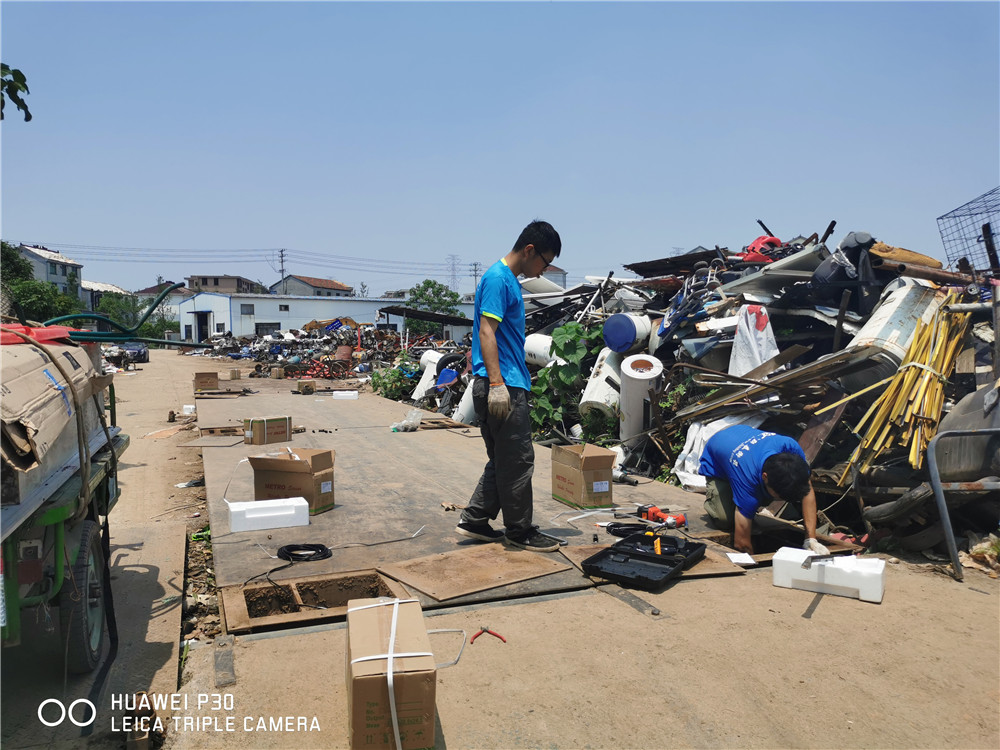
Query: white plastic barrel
x=601, y=391
x=465, y=412
x=627, y=332
x=538, y=350
x=428, y=362
x=640, y=372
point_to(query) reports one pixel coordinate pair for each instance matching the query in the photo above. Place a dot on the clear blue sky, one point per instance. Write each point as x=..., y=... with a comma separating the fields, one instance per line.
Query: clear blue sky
x=375, y=140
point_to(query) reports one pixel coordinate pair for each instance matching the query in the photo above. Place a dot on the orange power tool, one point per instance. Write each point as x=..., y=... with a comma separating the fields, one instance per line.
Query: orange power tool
x=653, y=513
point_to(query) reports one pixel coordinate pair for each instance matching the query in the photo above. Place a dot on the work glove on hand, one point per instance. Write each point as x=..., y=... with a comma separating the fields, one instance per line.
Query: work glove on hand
x=815, y=547
x=498, y=402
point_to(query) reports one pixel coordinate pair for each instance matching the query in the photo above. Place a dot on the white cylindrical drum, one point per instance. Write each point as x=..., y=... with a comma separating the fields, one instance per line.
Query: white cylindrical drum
x=601, y=391
x=537, y=349
x=465, y=412
x=428, y=361
x=640, y=372
x=626, y=332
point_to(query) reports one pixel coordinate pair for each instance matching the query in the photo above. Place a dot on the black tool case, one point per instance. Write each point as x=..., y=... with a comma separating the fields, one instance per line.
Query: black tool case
x=633, y=560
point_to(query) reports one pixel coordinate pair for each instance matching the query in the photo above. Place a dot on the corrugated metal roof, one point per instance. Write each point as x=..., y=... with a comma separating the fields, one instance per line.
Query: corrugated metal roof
x=47, y=254
x=100, y=286
x=321, y=283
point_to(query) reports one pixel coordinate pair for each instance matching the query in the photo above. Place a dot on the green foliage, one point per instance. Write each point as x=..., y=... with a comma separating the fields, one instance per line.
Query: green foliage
x=600, y=428
x=126, y=309
x=14, y=266
x=14, y=84
x=556, y=390
x=41, y=301
x=435, y=297
x=395, y=383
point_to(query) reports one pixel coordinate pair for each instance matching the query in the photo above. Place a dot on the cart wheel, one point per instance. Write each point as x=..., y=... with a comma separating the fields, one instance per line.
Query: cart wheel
x=81, y=606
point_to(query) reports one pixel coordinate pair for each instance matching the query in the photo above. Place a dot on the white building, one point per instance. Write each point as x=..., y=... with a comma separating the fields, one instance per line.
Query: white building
x=310, y=286
x=207, y=313
x=92, y=291
x=170, y=303
x=53, y=267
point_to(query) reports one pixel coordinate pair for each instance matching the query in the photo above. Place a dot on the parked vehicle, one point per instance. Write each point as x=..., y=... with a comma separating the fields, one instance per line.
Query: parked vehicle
x=136, y=351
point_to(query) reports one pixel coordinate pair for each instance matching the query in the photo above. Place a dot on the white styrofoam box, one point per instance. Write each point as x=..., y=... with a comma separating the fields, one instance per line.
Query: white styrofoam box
x=345, y=395
x=856, y=577
x=268, y=514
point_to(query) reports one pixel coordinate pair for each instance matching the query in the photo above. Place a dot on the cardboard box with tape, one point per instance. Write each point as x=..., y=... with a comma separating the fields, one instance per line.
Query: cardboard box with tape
x=371, y=724
x=304, y=472
x=265, y=430
x=581, y=475
x=206, y=381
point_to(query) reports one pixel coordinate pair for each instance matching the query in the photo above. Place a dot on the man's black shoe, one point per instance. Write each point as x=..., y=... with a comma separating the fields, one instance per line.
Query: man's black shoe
x=481, y=531
x=535, y=542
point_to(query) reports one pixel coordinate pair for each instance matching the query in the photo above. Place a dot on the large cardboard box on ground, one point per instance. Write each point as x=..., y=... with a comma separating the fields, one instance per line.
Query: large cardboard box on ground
x=305, y=472
x=39, y=412
x=369, y=625
x=265, y=430
x=581, y=475
x=206, y=381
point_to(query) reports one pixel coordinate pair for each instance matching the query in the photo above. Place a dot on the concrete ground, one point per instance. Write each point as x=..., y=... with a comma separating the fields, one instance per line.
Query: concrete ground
x=726, y=662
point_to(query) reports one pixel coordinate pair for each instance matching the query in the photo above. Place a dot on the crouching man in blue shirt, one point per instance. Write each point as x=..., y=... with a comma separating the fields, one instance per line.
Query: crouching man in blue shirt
x=748, y=468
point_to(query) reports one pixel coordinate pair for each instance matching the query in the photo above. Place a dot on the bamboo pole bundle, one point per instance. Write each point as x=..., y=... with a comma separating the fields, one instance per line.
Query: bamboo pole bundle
x=908, y=411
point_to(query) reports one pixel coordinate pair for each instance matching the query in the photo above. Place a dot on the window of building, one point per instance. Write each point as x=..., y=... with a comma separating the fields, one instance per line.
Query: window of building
x=53, y=268
x=204, y=281
x=62, y=270
x=246, y=309
x=220, y=327
x=282, y=308
x=215, y=282
x=319, y=293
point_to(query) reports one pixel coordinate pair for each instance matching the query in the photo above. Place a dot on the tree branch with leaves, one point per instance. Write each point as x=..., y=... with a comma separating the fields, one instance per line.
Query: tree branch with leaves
x=14, y=85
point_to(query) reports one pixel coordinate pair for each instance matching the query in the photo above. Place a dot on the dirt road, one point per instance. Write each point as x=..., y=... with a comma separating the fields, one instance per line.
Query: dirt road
x=729, y=662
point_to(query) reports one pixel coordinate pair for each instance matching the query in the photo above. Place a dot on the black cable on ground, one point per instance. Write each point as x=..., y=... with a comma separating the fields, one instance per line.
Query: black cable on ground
x=294, y=553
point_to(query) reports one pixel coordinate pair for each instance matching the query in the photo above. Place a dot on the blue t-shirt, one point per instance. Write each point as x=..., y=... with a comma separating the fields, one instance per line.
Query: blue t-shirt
x=499, y=297
x=737, y=454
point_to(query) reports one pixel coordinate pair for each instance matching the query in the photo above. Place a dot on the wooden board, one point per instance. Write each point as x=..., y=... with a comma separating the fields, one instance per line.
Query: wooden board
x=711, y=565
x=213, y=441
x=440, y=423
x=471, y=569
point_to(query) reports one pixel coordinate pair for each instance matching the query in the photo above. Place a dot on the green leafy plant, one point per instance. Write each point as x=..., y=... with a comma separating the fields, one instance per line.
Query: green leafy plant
x=14, y=85
x=556, y=390
x=394, y=383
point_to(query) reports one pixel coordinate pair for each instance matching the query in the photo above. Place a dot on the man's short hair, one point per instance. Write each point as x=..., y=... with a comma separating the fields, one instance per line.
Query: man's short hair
x=542, y=235
x=788, y=475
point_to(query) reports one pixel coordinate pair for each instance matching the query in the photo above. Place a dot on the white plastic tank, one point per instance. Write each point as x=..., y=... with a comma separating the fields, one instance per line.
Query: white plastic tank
x=639, y=373
x=627, y=332
x=465, y=412
x=428, y=363
x=538, y=350
x=604, y=384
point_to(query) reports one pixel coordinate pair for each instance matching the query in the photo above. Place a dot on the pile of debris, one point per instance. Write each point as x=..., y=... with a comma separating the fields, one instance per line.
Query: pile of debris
x=863, y=353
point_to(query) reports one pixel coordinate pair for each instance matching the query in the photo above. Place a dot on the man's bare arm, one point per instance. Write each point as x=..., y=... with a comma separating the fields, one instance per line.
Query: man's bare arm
x=488, y=347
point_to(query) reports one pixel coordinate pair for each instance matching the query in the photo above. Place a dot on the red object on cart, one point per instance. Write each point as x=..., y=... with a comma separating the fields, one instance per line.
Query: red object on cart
x=41, y=335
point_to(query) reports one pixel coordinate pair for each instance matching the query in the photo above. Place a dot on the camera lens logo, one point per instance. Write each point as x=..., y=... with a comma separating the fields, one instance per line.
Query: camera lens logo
x=70, y=712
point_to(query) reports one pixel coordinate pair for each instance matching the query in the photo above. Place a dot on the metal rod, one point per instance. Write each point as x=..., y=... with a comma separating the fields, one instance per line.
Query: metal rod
x=916, y=271
x=935, y=476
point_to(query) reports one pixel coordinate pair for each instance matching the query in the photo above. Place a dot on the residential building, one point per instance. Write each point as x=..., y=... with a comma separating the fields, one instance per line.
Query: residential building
x=92, y=291
x=205, y=314
x=170, y=302
x=223, y=284
x=309, y=286
x=54, y=268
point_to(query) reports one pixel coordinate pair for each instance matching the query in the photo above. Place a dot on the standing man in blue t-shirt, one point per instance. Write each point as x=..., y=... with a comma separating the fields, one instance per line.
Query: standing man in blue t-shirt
x=746, y=469
x=500, y=388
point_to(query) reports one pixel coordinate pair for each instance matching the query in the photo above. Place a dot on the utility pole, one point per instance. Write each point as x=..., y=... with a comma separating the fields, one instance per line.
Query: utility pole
x=453, y=263
x=477, y=271
x=284, y=284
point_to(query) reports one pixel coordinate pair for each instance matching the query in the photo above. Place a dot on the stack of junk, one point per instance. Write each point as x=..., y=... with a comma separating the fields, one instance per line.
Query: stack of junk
x=881, y=363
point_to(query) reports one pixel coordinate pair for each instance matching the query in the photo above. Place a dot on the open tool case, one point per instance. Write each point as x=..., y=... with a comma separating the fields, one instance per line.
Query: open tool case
x=633, y=560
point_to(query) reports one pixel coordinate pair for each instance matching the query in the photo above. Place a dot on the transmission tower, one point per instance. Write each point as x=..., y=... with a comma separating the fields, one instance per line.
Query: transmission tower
x=453, y=269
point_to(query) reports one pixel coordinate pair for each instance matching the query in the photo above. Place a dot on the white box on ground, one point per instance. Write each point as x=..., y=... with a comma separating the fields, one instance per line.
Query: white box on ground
x=268, y=514
x=859, y=578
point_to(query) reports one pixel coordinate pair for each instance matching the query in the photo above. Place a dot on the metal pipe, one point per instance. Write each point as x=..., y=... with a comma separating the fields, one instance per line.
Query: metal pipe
x=916, y=271
x=967, y=307
x=932, y=468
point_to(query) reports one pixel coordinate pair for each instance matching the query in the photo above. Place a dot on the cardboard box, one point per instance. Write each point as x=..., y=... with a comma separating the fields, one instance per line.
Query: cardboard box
x=265, y=430
x=278, y=373
x=369, y=624
x=234, y=374
x=581, y=475
x=206, y=381
x=307, y=386
x=304, y=473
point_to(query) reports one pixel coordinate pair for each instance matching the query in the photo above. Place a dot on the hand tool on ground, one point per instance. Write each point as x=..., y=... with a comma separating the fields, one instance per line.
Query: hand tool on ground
x=486, y=629
x=653, y=513
x=562, y=542
x=807, y=563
